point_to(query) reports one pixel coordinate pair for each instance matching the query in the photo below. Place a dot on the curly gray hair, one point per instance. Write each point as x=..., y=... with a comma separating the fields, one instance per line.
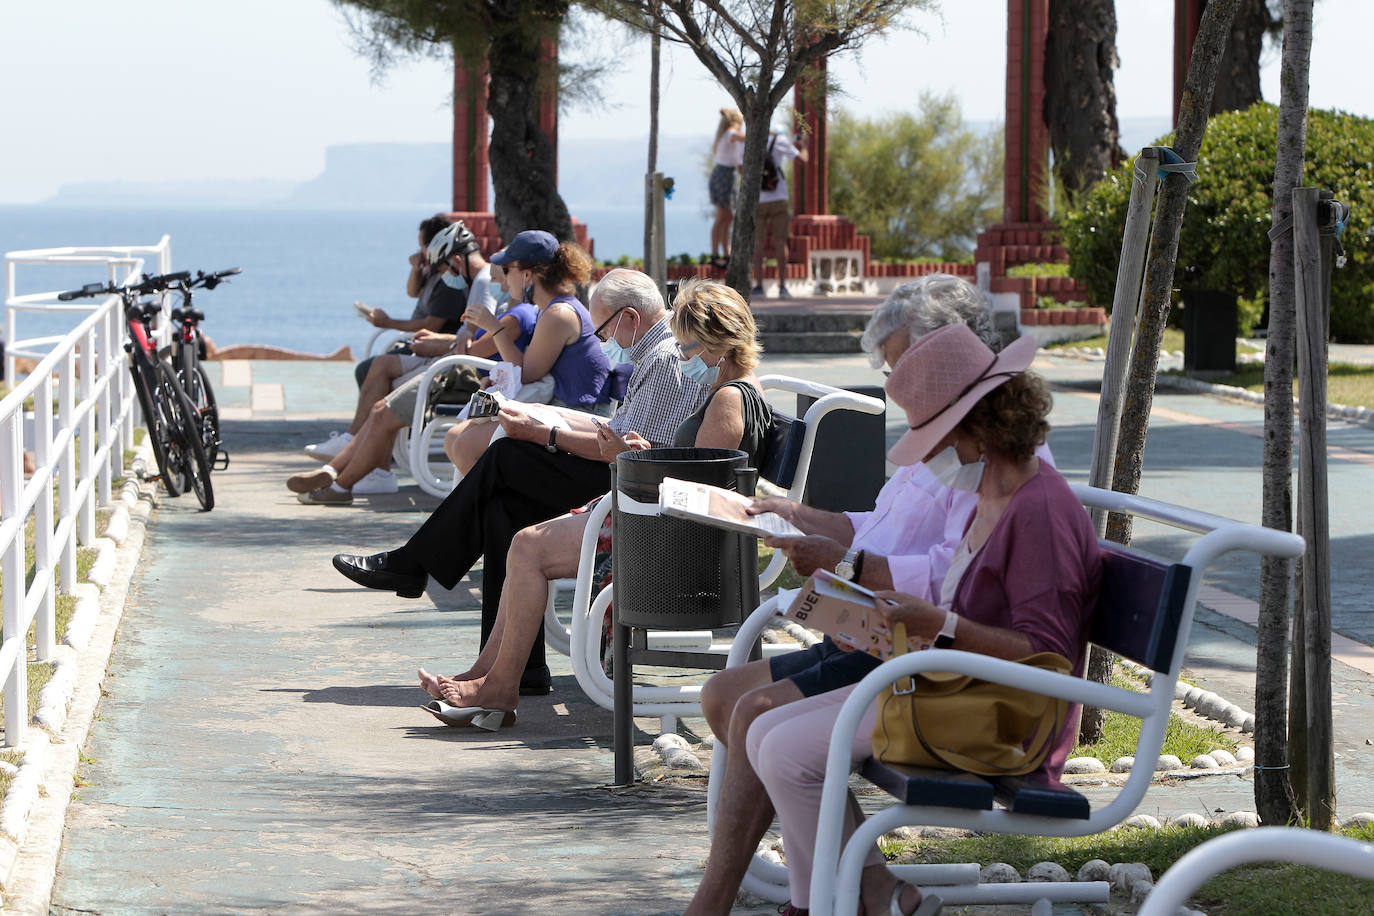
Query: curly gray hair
x=926, y=305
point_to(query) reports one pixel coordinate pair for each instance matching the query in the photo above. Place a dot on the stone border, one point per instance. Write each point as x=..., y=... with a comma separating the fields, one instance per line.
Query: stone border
x=34, y=812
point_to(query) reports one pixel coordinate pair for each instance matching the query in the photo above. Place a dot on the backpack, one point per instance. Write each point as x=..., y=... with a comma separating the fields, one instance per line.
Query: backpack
x=769, y=181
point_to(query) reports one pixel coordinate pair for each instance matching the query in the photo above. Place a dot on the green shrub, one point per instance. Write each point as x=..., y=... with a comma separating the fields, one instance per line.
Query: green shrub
x=1224, y=243
x=1038, y=270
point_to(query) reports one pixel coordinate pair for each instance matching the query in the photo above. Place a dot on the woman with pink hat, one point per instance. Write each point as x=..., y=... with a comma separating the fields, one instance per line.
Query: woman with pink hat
x=1024, y=578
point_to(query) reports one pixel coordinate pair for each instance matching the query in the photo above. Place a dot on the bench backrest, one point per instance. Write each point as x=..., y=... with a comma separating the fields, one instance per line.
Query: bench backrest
x=1140, y=606
x=781, y=452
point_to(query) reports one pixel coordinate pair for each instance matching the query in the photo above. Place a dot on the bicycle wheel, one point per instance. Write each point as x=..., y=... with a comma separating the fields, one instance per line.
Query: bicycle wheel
x=202, y=395
x=155, y=418
x=188, y=448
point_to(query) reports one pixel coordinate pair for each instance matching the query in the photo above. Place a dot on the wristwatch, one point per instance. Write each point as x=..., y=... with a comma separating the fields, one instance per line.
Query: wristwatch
x=553, y=439
x=845, y=569
x=946, y=637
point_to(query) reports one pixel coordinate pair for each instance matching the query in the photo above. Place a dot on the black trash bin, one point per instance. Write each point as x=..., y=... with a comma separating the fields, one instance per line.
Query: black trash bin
x=673, y=573
x=1209, y=330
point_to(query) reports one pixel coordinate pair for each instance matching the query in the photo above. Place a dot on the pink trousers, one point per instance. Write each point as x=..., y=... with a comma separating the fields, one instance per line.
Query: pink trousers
x=787, y=747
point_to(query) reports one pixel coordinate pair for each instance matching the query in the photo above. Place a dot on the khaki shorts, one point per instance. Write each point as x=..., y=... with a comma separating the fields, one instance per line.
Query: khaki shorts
x=775, y=216
x=401, y=401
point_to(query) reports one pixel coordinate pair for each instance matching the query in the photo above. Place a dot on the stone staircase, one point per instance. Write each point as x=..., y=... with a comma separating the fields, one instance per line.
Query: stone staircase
x=811, y=331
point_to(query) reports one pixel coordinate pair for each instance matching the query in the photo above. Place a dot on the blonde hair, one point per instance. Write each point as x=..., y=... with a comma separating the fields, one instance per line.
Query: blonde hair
x=718, y=318
x=730, y=119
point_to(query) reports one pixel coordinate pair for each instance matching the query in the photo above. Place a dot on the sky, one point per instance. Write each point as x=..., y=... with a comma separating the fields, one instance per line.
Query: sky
x=169, y=90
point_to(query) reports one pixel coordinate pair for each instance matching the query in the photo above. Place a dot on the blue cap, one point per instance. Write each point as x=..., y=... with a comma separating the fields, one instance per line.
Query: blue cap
x=533, y=246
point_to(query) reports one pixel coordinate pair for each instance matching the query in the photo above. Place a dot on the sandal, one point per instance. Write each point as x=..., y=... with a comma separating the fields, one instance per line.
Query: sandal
x=930, y=904
x=720, y=262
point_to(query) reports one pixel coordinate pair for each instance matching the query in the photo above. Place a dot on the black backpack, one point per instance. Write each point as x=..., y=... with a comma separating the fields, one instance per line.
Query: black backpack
x=769, y=181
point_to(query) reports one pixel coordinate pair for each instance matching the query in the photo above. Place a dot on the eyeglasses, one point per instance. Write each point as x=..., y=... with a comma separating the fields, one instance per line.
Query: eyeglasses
x=601, y=327
x=685, y=353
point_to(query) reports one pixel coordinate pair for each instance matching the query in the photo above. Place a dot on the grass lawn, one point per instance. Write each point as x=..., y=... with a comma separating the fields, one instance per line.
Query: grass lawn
x=1173, y=340
x=1346, y=383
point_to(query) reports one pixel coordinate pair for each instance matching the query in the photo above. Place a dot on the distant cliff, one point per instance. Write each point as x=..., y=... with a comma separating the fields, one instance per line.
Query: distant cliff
x=593, y=174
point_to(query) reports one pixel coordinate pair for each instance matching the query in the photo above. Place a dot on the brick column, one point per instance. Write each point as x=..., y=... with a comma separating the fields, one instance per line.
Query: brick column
x=1187, y=18
x=811, y=179
x=1027, y=139
x=470, y=144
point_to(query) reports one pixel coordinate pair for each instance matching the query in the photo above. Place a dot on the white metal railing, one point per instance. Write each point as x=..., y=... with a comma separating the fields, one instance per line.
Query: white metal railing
x=82, y=417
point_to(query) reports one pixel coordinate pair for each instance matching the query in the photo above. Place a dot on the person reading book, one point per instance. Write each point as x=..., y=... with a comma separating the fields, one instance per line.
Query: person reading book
x=538, y=472
x=717, y=345
x=1024, y=578
x=906, y=543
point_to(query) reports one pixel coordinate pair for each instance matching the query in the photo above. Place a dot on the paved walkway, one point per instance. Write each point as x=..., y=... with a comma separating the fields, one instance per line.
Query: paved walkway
x=259, y=748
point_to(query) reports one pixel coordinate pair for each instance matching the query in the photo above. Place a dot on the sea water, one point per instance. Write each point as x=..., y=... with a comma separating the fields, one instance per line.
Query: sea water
x=302, y=269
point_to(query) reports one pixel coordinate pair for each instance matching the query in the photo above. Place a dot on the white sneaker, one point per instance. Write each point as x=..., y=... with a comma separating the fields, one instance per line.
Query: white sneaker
x=330, y=448
x=377, y=481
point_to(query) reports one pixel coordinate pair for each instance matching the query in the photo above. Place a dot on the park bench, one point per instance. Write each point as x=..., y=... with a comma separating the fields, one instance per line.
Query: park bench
x=787, y=465
x=1262, y=844
x=1144, y=613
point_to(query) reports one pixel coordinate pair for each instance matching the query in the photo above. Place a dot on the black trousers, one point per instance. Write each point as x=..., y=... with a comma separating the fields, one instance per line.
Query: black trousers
x=515, y=484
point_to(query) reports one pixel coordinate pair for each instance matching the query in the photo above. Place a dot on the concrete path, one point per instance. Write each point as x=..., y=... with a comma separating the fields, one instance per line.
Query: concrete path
x=259, y=746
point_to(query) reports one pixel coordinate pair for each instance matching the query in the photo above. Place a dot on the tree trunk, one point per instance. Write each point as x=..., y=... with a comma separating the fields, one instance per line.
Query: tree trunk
x=1080, y=95
x=1159, y=267
x=757, y=117
x=1238, y=83
x=522, y=156
x=655, y=56
x=1274, y=799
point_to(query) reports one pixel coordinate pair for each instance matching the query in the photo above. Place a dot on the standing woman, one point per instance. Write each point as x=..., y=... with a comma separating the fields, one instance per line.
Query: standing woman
x=728, y=155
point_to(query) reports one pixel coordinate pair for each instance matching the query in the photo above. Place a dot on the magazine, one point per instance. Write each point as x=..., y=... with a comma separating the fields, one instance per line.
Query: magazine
x=720, y=508
x=847, y=613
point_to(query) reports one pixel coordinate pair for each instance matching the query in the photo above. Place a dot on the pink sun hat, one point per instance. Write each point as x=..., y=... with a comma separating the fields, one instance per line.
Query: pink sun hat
x=939, y=379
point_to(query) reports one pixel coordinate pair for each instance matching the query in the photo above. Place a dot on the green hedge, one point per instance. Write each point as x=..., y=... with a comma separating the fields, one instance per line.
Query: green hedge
x=1224, y=243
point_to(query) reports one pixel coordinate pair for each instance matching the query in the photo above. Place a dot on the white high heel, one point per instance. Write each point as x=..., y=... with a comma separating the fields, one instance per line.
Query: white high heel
x=930, y=904
x=462, y=716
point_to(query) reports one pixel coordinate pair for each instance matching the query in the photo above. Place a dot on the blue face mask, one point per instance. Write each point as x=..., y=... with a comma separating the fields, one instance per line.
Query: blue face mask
x=697, y=370
x=455, y=281
x=615, y=353
x=502, y=297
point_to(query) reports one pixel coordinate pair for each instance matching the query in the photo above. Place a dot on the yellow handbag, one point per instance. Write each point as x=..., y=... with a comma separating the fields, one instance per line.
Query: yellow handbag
x=957, y=722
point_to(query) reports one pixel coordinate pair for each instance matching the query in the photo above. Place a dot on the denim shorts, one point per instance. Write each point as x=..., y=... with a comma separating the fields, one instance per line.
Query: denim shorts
x=822, y=667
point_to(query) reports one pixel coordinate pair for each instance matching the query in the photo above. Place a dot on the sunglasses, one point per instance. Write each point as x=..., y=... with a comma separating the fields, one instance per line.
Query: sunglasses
x=602, y=326
x=685, y=353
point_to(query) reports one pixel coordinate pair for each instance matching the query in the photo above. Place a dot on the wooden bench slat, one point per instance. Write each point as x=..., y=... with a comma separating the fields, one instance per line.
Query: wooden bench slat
x=925, y=786
x=1037, y=794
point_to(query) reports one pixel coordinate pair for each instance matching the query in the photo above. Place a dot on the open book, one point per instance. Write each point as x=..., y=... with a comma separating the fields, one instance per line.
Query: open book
x=363, y=309
x=487, y=403
x=720, y=508
x=847, y=613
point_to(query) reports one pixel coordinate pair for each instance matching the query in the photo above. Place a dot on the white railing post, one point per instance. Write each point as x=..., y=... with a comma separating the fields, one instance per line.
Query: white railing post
x=12, y=649
x=104, y=403
x=66, y=471
x=45, y=624
x=85, y=510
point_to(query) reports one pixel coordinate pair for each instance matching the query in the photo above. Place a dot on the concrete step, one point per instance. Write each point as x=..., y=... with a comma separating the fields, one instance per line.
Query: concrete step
x=812, y=322
x=811, y=342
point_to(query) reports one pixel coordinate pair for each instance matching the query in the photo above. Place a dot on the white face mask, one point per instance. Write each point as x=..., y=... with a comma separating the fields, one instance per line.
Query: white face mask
x=953, y=473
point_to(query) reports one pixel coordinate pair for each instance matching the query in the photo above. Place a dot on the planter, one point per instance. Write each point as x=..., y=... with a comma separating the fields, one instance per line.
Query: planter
x=1030, y=317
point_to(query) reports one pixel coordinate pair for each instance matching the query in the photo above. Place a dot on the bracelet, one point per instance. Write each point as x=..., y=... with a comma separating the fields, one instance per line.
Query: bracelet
x=498, y=330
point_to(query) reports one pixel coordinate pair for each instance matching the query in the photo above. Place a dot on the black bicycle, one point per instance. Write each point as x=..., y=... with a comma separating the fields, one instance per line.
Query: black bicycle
x=188, y=349
x=173, y=422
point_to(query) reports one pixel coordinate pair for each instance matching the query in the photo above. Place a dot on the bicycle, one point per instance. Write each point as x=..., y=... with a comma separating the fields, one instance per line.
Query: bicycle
x=174, y=427
x=188, y=350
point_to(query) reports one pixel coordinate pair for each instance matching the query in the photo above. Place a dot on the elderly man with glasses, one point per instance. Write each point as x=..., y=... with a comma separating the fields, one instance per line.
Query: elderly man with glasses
x=539, y=472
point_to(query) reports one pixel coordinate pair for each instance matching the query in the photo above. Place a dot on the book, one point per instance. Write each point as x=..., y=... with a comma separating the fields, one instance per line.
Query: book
x=847, y=613
x=363, y=309
x=720, y=508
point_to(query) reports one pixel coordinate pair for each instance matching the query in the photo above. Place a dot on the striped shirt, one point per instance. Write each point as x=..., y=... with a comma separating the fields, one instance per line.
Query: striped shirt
x=658, y=396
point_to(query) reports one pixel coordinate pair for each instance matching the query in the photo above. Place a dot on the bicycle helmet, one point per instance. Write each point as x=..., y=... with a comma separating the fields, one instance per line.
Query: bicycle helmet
x=456, y=239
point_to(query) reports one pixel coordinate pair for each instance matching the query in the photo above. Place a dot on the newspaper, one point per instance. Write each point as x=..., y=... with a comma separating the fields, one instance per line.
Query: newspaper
x=847, y=613
x=720, y=508
x=487, y=403
x=364, y=310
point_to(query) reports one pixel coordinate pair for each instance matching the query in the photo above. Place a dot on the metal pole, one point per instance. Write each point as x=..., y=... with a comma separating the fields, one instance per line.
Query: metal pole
x=1311, y=266
x=1125, y=308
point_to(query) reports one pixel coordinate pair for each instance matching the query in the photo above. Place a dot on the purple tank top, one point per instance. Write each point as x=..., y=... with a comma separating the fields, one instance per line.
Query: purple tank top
x=581, y=371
